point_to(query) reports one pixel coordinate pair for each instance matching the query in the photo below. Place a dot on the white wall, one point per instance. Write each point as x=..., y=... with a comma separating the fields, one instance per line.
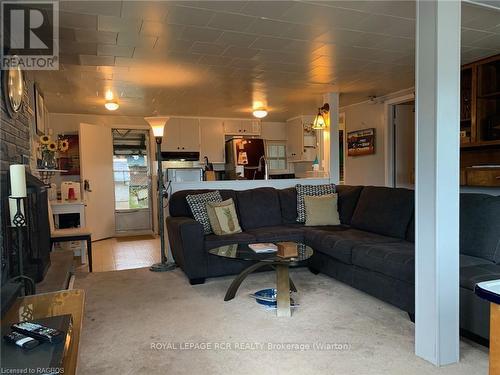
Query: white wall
x=69, y=122
x=369, y=169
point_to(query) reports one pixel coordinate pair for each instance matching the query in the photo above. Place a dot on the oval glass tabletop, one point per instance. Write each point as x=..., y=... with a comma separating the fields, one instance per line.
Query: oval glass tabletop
x=244, y=252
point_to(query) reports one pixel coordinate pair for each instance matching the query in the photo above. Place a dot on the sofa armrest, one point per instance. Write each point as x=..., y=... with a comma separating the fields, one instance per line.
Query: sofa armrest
x=187, y=243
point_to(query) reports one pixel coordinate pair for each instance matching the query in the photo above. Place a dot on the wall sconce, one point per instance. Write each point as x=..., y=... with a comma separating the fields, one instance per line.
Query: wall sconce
x=320, y=121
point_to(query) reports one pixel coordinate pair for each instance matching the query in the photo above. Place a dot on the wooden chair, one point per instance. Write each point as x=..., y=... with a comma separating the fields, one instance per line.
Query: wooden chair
x=70, y=234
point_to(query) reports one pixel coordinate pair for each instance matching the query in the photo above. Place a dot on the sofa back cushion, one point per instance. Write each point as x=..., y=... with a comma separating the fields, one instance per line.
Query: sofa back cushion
x=259, y=208
x=480, y=226
x=348, y=199
x=288, y=203
x=178, y=206
x=384, y=210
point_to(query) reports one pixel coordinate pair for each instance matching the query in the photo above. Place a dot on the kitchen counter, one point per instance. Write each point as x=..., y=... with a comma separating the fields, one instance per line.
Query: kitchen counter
x=247, y=184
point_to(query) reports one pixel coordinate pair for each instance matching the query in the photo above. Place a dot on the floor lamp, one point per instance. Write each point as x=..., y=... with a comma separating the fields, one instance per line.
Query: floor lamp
x=157, y=124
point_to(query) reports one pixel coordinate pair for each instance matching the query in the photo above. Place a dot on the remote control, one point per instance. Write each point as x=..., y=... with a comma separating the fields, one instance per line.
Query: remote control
x=39, y=332
x=21, y=340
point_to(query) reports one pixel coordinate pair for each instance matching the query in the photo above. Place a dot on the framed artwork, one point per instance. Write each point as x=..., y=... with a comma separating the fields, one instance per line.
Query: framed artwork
x=70, y=159
x=361, y=142
x=39, y=112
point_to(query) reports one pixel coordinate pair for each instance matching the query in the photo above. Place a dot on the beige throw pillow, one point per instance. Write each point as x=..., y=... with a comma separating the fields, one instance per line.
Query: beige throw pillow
x=321, y=210
x=223, y=217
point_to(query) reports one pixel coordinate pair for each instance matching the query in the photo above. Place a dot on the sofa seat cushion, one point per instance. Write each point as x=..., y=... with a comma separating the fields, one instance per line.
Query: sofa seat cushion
x=278, y=233
x=383, y=210
x=470, y=276
x=339, y=244
x=468, y=261
x=212, y=241
x=259, y=208
x=395, y=259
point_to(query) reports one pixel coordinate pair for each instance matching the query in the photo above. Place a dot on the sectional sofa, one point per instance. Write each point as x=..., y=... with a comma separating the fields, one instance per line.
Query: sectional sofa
x=373, y=250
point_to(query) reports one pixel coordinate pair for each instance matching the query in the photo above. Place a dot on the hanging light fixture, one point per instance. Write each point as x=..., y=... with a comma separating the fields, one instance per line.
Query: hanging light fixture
x=111, y=104
x=320, y=121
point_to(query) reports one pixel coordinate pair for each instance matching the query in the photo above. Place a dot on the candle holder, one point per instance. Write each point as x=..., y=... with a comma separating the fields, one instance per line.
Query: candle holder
x=19, y=221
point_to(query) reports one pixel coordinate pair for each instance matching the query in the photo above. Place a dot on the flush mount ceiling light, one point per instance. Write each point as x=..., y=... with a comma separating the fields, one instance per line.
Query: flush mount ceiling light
x=111, y=105
x=320, y=121
x=259, y=113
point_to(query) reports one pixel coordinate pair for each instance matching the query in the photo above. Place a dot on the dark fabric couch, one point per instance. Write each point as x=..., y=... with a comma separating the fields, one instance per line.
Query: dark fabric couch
x=373, y=250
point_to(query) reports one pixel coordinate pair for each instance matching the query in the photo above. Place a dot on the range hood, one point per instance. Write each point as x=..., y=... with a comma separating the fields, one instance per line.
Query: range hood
x=180, y=156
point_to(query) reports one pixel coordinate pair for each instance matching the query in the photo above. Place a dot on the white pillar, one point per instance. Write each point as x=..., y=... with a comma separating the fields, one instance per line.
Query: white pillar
x=437, y=181
x=330, y=138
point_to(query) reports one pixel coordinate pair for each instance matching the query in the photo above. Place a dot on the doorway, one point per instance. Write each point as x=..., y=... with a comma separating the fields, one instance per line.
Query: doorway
x=132, y=182
x=403, y=122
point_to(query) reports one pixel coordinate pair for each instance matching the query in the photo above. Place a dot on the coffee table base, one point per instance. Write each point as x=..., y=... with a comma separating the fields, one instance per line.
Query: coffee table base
x=283, y=285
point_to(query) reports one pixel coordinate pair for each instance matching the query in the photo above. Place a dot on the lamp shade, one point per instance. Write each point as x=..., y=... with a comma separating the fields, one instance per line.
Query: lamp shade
x=319, y=122
x=157, y=124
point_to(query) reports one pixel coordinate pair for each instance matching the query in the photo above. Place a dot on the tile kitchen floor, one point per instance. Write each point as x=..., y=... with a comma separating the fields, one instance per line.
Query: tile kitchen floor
x=123, y=253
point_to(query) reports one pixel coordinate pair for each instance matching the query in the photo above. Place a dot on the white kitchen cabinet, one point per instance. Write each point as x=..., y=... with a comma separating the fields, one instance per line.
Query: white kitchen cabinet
x=298, y=148
x=242, y=127
x=212, y=140
x=181, y=134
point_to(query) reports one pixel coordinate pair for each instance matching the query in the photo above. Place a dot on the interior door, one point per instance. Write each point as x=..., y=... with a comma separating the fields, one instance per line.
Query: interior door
x=404, y=145
x=96, y=162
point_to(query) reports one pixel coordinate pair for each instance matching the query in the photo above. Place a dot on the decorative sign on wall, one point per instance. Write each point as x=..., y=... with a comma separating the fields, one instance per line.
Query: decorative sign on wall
x=361, y=142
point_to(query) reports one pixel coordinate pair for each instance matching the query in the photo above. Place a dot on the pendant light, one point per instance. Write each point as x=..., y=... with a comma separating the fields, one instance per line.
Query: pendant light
x=320, y=121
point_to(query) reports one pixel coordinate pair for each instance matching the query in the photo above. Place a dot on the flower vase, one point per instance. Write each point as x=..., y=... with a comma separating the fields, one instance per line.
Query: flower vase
x=49, y=160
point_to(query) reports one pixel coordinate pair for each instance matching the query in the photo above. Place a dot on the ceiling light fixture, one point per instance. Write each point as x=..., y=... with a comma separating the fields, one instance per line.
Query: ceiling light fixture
x=111, y=105
x=259, y=113
x=320, y=121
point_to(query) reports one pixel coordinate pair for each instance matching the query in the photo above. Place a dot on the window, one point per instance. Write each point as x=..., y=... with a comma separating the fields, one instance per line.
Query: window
x=276, y=156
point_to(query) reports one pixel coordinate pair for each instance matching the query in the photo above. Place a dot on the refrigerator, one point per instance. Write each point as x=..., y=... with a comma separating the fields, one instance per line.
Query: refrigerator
x=245, y=159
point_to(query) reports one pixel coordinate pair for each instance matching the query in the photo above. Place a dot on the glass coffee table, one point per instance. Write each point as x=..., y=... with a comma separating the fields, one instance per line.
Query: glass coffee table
x=283, y=282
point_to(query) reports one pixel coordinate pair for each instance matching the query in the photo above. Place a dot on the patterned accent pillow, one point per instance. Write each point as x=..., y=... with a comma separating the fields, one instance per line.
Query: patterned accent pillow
x=314, y=190
x=198, y=205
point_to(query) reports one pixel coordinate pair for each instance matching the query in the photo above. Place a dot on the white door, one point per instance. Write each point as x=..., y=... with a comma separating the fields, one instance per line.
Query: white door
x=404, y=144
x=96, y=162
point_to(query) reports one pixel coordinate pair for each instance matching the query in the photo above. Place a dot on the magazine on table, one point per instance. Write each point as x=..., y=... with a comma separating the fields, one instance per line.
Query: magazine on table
x=263, y=247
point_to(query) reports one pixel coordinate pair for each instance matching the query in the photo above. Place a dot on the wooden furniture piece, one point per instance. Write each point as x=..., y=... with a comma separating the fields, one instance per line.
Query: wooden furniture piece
x=70, y=207
x=490, y=291
x=71, y=234
x=51, y=304
x=480, y=120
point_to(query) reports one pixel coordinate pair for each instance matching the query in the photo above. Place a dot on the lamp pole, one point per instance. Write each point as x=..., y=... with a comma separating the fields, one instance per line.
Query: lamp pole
x=157, y=125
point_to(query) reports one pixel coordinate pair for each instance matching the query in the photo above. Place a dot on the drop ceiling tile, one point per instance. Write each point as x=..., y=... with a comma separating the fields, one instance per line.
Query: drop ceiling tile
x=243, y=63
x=267, y=42
x=480, y=18
x=177, y=45
x=305, y=32
x=200, y=34
x=117, y=24
x=269, y=9
x=135, y=40
x=189, y=16
x=66, y=34
x=105, y=37
x=77, y=21
x=489, y=42
x=147, y=10
x=70, y=47
x=219, y=6
x=126, y=61
x=264, y=26
x=215, y=60
x=470, y=36
x=207, y=48
x=114, y=50
x=393, y=43
x=230, y=21
x=236, y=39
x=240, y=52
x=68, y=59
x=108, y=8
x=401, y=8
x=96, y=60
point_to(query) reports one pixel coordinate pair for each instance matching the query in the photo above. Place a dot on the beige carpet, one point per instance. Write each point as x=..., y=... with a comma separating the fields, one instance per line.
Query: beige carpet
x=128, y=311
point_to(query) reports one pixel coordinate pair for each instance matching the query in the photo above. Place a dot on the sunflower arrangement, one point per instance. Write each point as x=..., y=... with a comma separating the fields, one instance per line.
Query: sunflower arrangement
x=48, y=149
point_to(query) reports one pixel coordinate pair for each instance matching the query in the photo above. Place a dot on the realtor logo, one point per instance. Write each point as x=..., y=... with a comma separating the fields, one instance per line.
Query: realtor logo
x=30, y=35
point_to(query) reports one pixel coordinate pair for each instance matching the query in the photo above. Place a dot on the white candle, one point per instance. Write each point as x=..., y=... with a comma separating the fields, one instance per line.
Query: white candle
x=18, y=180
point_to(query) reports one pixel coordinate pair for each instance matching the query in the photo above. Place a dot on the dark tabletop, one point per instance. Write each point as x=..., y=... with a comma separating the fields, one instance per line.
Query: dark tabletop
x=243, y=252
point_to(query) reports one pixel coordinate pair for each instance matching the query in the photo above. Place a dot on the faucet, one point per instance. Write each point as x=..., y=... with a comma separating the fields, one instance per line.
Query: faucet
x=266, y=167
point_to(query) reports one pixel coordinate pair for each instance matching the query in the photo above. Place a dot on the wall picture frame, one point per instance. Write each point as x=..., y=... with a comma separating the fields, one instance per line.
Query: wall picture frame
x=361, y=142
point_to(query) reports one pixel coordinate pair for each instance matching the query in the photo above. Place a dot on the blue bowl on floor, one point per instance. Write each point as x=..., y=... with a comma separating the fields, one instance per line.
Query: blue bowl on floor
x=266, y=297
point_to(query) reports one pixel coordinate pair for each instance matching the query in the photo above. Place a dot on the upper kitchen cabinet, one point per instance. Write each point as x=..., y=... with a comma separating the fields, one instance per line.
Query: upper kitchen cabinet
x=242, y=127
x=181, y=134
x=301, y=144
x=212, y=136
